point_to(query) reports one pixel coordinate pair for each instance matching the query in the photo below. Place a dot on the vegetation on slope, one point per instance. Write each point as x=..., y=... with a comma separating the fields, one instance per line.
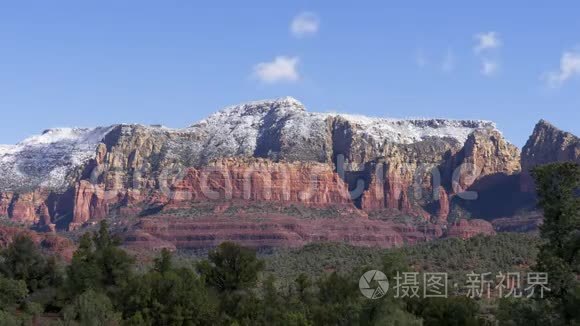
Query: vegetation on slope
x=503, y=252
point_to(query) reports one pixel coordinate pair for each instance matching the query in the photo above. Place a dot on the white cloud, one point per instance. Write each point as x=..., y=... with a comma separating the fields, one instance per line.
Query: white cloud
x=448, y=62
x=305, y=24
x=281, y=69
x=487, y=41
x=486, y=48
x=489, y=67
x=569, y=68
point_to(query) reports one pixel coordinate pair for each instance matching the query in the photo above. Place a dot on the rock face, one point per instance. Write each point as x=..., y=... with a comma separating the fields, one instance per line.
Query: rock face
x=28, y=207
x=272, y=229
x=405, y=180
x=528, y=223
x=443, y=208
x=309, y=184
x=5, y=201
x=89, y=203
x=23, y=208
x=305, y=183
x=465, y=229
x=436, y=169
x=547, y=144
x=487, y=153
x=271, y=152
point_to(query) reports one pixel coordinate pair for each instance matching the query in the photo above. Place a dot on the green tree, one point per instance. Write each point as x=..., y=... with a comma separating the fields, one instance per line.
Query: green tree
x=515, y=312
x=12, y=292
x=303, y=286
x=274, y=307
x=92, y=309
x=339, y=301
x=390, y=310
x=303, y=294
x=558, y=186
x=164, y=262
x=168, y=296
x=22, y=260
x=232, y=271
x=12, y=295
x=98, y=264
x=9, y=319
x=452, y=311
x=231, y=267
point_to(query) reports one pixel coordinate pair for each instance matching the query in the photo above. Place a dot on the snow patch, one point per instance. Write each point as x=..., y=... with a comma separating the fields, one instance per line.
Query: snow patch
x=234, y=131
x=47, y=159
x=408, y=131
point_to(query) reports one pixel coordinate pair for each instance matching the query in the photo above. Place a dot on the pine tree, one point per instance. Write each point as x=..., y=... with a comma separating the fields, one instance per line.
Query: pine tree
x=558, y=187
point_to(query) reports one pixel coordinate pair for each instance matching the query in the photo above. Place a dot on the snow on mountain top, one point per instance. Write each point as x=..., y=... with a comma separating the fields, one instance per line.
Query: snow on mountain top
x=413, y=130
x=288, y=107
x=73, y=135
x=240, y=129
x=46, y=159
x=7, y=149
x=287, y=101
x=250, y=116
x=235, y=130
x=253, y=110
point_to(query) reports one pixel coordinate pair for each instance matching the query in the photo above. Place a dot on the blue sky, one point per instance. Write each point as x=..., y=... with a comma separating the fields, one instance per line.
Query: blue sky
x=87, y=63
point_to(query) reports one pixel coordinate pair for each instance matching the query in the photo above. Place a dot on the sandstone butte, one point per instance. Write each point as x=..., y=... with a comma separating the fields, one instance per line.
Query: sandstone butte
x=270, y=173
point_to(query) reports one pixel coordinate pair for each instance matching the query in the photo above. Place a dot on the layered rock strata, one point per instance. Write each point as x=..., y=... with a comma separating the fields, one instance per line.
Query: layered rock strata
x=271, y=152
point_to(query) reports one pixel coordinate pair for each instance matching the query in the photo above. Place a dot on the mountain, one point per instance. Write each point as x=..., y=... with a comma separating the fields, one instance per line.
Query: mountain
x=549, y=144
x=280, y=129
x=267, y=173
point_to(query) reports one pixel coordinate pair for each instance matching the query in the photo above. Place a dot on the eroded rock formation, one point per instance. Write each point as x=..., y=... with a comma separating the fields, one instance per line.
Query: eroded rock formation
x=465, y=229
x=278, y=153
x=547, y=144
x=267, y=230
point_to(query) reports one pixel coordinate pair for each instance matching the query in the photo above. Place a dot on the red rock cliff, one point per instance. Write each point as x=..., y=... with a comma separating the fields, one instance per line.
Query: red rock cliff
x=309, y=184
x=547, y=144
